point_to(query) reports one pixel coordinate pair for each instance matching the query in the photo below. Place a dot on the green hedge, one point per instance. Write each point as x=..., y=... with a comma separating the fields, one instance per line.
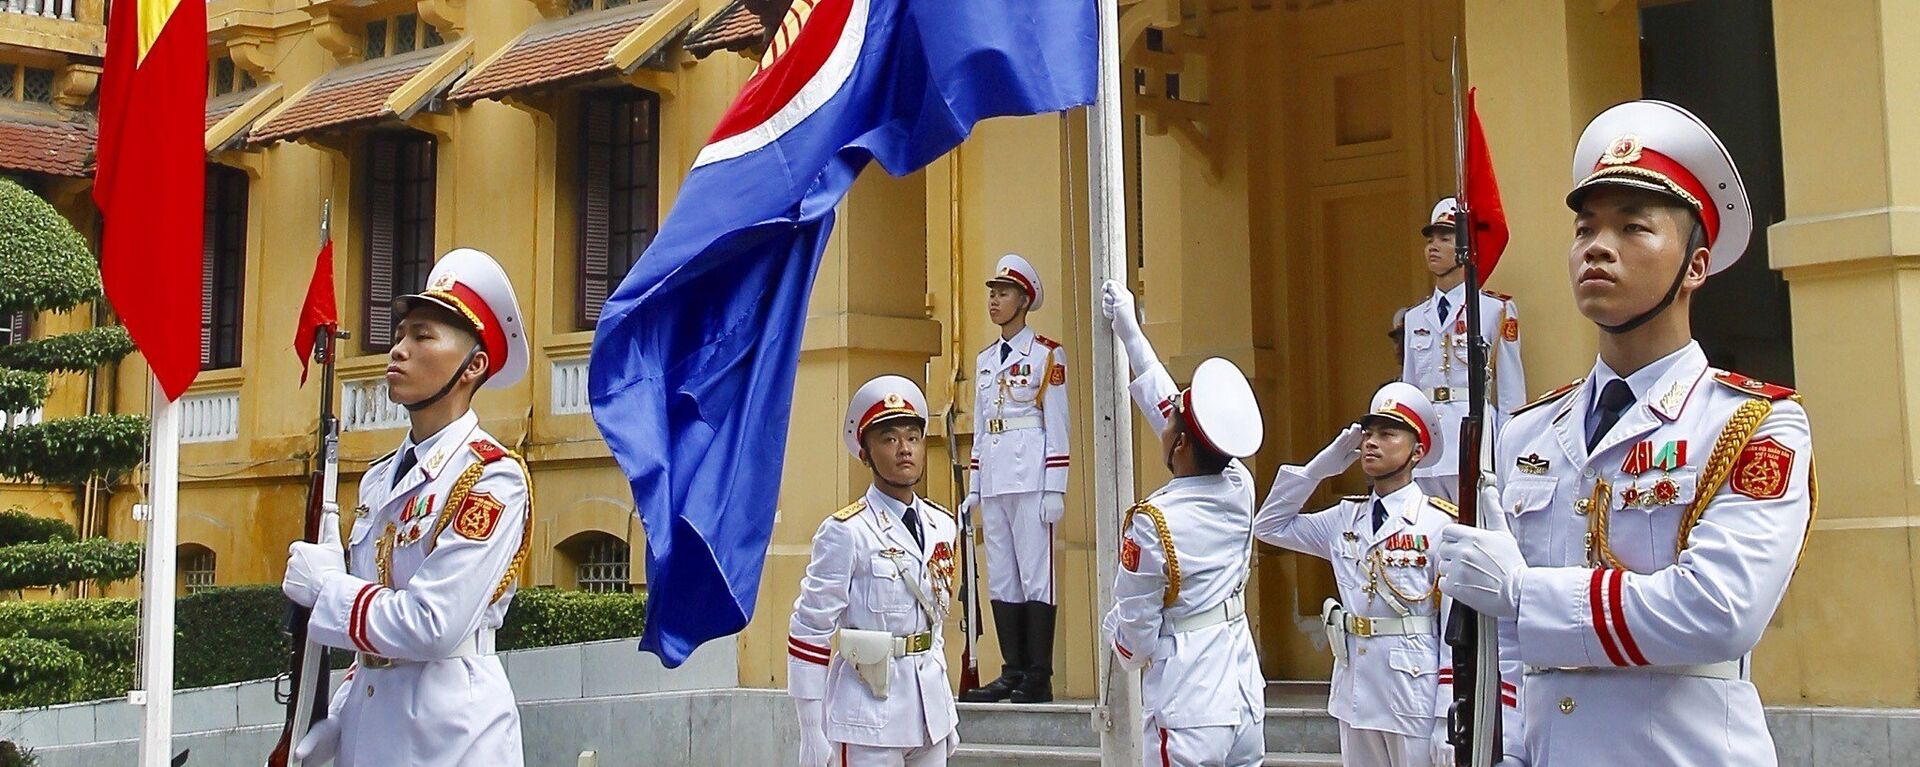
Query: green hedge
x=75, y=352
x=233, y=634
x=59, y=563
x=21, y=390
x=67, y=451
x=44, y=263
x=18, y=526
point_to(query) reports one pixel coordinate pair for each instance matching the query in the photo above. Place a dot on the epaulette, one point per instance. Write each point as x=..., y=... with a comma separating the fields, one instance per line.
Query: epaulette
x=851, y=510
x=1552, y=396
x=1501, y=296
x=487, y=450
x=937, y=507
x=1445, y=506
x=1752, y=386
x=1045, y=341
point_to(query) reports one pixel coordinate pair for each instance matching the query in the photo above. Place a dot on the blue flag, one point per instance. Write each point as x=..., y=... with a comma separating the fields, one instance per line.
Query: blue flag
x=693, y=362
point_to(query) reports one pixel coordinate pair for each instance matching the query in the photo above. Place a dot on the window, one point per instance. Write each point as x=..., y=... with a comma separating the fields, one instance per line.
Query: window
x=619, y=192
x=223, y=266
x=397, y=205
x=196, y=567
x=15, y=328
x=577, y=6
x=399, y=34
x=18, y=83
x=603, y=564
x=224, y=78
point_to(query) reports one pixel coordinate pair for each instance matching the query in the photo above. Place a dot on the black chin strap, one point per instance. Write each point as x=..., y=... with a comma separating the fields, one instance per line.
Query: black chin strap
x=1404, y=465
x=1673, y=292
x=457, y=372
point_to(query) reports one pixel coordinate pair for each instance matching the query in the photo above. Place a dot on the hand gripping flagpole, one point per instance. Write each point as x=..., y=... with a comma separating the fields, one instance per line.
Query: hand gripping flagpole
x=1117, y=713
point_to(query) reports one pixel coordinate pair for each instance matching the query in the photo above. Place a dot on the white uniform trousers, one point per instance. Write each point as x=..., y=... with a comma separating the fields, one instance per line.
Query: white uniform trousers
x=1019, y=548
x=1440, y=486
x=855, y=755
x=1379, y=748
x=1242, y=745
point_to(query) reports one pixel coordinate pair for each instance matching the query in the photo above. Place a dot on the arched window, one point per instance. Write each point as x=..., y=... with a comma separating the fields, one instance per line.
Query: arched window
x=196, y=567
x=601, y=562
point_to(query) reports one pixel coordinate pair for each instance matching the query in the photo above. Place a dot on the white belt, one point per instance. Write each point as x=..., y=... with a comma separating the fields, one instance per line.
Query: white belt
x=1362, y=626
x=1447, y=393
x=478, y=644
x=1231, y=609
x=1727, y=670
x=998, y=425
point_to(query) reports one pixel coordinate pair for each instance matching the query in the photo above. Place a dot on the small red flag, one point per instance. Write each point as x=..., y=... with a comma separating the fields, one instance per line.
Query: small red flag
x=319, y=310
x=1483, y=196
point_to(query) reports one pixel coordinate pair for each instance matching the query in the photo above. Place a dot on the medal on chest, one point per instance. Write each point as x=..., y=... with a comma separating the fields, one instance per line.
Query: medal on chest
x=416, y=519
x=1642, y=460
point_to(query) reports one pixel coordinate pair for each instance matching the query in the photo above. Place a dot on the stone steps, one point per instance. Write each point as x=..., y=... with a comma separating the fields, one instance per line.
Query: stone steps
x=1299, y=733
x=1054, y=756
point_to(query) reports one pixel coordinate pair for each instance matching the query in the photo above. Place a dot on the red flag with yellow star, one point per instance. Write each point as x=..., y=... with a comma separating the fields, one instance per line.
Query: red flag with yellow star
x=150, y=179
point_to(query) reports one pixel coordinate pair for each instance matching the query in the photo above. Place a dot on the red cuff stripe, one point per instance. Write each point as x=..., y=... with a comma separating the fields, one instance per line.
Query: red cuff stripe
x=357, y=617
x=810, y=658
x=1615, y=586
x=1597, y=598
x=1509, y=687
x=1124, y=653
x=1509, y=702
x=805, y=645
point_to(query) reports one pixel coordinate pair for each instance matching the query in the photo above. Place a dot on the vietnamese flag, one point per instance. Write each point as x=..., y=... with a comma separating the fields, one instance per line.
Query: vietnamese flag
x=1488, y=216
x=150, y=179
x=319, y=310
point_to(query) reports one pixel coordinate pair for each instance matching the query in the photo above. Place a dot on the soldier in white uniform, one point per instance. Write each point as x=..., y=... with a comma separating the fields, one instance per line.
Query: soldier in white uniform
x=1180, y=610
x=865, y=664
x=1392, y=673
x=441, y=530
x=1434, y=358
x=1659, y=505
x=1019, y=479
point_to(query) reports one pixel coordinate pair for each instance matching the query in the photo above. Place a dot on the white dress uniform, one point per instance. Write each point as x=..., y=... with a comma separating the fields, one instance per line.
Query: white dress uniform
x=1179, y=593
x=1654, y=560
x=433, y=558
x=869, y=574
x=1434, y=360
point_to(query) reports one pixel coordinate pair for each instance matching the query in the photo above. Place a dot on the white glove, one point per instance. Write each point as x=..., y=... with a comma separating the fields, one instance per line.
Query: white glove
x=1116, y=302
x=1337, y=455
x=308, y=565
x=1053, y=506
x=321, y=743
x=967, y=505
x=1482, y=569
x=1438, y=748
x=814, y=751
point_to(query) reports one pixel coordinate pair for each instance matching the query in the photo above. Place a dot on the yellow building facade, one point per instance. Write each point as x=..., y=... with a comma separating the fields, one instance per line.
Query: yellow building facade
x=1281, y=156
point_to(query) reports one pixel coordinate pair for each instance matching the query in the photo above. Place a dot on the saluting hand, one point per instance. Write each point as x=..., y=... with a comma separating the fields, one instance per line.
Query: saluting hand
x=1338, y=454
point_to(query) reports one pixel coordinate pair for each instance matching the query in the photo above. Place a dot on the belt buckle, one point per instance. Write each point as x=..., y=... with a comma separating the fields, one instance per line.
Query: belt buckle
x=375, y=661
x=1442, y=393
x=995, y=426
x=1362, y=625
x=919, y=643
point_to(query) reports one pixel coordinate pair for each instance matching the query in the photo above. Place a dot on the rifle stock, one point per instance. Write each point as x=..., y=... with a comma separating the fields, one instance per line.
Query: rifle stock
x=969, y=559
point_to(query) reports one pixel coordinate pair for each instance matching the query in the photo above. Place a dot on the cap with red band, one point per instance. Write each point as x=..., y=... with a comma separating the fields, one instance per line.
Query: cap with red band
x=1014, y=270
x=471, y=284
x=880, y=400
x=1660, y=147
x=1405, y=404
x=1221, y=409
x=1442, y=218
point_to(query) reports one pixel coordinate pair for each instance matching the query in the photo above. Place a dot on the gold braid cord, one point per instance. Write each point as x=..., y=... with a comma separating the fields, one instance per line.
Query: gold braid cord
x=463, y=486
x=1166, y=546
x=1599, y=508
x=1726, y=450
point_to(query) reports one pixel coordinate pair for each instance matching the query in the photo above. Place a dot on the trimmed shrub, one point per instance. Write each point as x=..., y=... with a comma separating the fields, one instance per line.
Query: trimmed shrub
x=541, y=617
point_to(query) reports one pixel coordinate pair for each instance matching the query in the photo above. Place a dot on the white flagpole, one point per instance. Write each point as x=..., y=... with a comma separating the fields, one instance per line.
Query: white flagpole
x=1117, y=714
x=156, y=584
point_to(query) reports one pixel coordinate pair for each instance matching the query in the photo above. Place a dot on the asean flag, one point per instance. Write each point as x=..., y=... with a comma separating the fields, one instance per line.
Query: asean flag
x=693, y=362
x=150, y=178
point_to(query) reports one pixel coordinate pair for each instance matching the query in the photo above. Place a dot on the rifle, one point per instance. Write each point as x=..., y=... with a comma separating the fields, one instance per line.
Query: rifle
x=970, y=618
x=1473, y=719
x=306, y=696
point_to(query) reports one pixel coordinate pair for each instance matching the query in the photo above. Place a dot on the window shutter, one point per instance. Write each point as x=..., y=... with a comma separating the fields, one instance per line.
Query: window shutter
x=379, y=210
x=595, y=194
x=209, y=247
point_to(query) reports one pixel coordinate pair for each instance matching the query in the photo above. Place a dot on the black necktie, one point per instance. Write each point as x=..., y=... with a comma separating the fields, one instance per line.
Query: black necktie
x=407, y=460
x=1005, y=349
x=1613, y=401
x=913, y=524
x=1379, y=515
x=1444, y=307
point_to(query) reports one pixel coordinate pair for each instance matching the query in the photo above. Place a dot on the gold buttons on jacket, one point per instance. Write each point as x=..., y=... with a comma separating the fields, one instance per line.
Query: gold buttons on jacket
x=1566, y=705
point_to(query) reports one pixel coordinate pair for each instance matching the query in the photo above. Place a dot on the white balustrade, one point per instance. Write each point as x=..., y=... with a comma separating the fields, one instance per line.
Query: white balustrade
x=364, y=406
x=19, y=419
x=211, y=417
x=52, y=9
x=570, y=387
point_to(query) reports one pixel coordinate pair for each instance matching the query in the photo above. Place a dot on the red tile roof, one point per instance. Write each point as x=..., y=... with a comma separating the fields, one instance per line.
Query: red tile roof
x=344, y=96
x=32, y=142
x=554, y=51
x=737, y=27
x=219, y=107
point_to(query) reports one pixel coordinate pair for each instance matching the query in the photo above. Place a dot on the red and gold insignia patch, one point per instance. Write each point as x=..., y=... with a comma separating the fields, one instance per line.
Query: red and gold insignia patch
x=1057, y=376
x=478, y=516
x=487, y=451
x=1510, y=329
x=1761, y=471
x=1130, y=554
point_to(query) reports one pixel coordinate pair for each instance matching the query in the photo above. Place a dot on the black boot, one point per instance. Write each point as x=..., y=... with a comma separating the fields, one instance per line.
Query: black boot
x=1010, y=625
x=1037, y=687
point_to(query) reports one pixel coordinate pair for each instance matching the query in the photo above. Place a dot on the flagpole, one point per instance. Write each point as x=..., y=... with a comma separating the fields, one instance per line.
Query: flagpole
x=156, y=584
x=1117, y=713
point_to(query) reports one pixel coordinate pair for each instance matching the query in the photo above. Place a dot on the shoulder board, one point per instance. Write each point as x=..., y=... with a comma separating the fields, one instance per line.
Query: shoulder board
x=1552, y=396
x=1444, y=505
x=1501, y=296
x=937, y=507
x=1045, y=341
x=851, y=510
x=1752, y=387
x=1355, y=498
x=487, y=450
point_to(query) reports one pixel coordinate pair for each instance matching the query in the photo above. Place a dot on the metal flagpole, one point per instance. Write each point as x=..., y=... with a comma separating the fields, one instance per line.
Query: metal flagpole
x=155, y=695
x=1117, y=713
